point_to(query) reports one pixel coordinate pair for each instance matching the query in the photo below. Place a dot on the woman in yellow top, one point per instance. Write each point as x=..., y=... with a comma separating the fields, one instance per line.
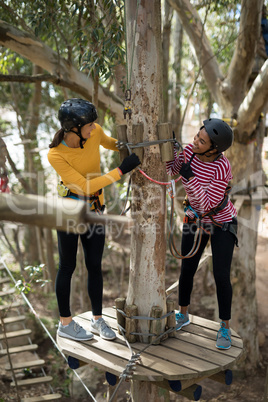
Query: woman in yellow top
x=74, y=154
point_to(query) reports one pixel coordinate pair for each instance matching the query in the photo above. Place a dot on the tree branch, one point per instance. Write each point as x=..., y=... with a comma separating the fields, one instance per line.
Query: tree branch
x=68, y=76
x=246, y=46
x=252, y=106
x=193, y=26
x=29, y=78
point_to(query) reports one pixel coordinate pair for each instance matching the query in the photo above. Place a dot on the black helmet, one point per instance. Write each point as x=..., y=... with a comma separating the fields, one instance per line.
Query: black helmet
x=76, y=113
x=220, y=133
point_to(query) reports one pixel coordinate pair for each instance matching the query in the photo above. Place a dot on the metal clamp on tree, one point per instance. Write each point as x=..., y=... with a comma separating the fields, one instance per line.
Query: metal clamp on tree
x=127, y=108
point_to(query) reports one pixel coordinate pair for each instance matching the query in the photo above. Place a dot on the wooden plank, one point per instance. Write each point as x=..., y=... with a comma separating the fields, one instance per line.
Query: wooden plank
x=211, y=334
x=32, y=381
x=16, y=334
x=19, y=349
x=5, y=280
x=25, y=364
x=204, y=322
x=50, y=397
x=11, y=305
x=7, y=292
x=207, y=343
x=200, y=352
x=102, y=359
x=11, y=320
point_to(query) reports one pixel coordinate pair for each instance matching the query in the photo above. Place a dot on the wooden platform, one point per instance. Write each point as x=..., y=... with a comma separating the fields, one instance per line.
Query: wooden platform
x=191, y=355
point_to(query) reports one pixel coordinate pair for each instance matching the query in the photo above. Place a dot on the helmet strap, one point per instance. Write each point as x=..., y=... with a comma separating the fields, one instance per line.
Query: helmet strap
x=204, y=153
x=80, y=136
x=218, y=156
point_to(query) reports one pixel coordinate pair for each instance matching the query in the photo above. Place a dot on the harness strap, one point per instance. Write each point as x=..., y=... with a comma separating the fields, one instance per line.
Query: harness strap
x=219, y=207
x=93, y=197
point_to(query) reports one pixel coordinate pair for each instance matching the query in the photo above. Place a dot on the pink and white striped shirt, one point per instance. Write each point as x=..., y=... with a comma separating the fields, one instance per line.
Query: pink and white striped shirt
x=206, y=190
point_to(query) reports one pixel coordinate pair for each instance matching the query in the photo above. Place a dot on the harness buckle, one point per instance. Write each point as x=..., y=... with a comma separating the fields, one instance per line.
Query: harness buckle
x=225, y=226
x=63, y=191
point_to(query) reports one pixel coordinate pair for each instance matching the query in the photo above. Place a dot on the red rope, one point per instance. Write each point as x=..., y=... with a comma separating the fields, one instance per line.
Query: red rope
x=162, y=183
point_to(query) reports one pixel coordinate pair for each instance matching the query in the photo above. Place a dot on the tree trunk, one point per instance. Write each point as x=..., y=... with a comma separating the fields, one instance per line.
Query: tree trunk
x=148, y=391
x=248, y=175
x=148, y=243
x=166, y=48
x=175, y=109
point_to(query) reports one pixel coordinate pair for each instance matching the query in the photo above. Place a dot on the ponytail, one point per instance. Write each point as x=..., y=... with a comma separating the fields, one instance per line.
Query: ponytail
x=58, y=137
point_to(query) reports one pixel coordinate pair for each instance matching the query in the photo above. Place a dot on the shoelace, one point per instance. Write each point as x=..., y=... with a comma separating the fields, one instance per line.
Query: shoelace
x=179, y=315
x=104, y=325
x=224, y=333
x=77, y=327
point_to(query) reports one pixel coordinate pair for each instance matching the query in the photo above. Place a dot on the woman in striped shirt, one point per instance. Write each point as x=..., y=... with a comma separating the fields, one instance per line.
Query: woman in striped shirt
x=206, y=173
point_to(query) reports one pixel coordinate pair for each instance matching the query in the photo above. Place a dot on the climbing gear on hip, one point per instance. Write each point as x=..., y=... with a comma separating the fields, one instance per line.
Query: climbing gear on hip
x=94, y=200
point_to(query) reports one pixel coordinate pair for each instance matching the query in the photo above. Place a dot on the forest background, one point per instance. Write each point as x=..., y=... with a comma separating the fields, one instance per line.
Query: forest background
x=214, y=64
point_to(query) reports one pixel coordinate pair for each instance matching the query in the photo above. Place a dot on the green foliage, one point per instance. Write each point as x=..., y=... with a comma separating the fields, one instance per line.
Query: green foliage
x=89, y=33
x=35, y=274
x=101, y=38
x=23, y=286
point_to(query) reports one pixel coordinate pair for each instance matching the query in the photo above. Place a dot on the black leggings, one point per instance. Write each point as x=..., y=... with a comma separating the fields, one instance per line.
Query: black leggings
x=222, y=245
x=93, y=244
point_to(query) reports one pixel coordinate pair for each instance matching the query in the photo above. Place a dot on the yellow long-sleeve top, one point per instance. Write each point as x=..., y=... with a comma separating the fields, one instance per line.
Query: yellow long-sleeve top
x=79, y=168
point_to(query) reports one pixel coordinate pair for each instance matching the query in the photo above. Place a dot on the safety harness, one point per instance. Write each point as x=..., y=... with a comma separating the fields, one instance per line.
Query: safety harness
x=201, y=228
x=94, y=200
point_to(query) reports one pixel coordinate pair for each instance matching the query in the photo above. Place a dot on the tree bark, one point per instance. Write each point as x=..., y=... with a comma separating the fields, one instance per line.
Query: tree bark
x=146, y=287
x=166, y=49
x=148, y=243
x=175, y=108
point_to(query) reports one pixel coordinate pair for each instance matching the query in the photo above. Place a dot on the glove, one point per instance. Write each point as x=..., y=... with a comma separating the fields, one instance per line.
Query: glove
x=129, y=163
x=186, y=171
